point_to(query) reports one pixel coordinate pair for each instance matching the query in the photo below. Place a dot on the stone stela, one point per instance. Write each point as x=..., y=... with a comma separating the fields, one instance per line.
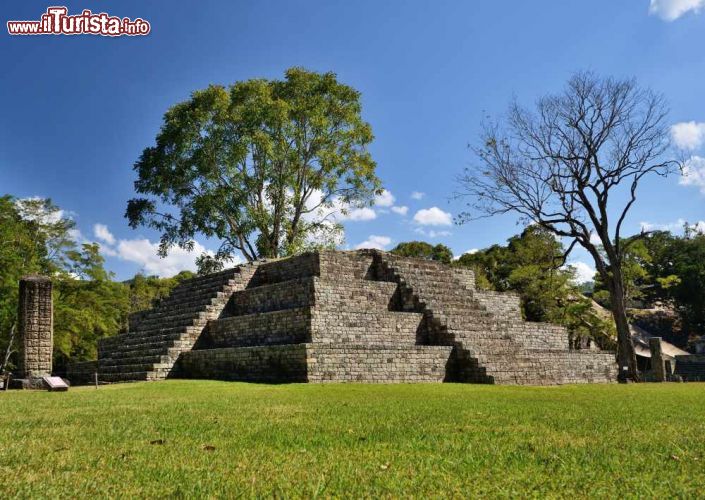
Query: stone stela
x=36, y=327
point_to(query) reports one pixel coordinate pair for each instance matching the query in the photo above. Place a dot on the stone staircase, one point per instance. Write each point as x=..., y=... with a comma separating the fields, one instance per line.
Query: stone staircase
x=486, y=351
x=331, y=322
x=156, y=338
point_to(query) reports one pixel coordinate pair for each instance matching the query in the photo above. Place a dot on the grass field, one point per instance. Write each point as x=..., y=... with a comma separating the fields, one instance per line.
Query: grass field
x=193, y=438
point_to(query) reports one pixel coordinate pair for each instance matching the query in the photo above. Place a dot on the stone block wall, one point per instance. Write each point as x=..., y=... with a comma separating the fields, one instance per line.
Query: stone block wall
x=465, y=276
x=297, y=292
x=576, y=367
x=532, y=335
x=366, y=328
x=350, y=265
x=287, y=326
x=318, y=363
x=502, y=304
x=387, y=364
x=36, y=327
x=82, y=373
x=282, y=363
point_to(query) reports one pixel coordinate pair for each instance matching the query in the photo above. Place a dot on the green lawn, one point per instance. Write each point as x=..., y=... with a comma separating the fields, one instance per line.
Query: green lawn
x=193, y=438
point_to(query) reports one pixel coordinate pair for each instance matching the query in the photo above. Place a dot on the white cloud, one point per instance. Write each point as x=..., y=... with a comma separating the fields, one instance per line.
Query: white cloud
x=400, y=210
x=336, y=211
x=583, y=272
x=669, y=226
x=377, y=242
x=470, y=252
x=594, y=238
x=431, y=233
x=356, y=214
x=670, y=10
x=77, y=236
x=103, y=234
x=42, y=216
x=384, y=199
x=694, y=173
x=676, y=227
x=433, y=216
x=417, y=195
x=688, y=135
x=144, y=252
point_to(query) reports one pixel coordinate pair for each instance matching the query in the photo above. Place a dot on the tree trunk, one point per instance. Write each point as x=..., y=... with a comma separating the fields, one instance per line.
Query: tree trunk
x=626, y=356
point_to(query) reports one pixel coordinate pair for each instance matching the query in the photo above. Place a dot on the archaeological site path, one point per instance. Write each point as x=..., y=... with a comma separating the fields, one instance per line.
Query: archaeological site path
x=226, y=439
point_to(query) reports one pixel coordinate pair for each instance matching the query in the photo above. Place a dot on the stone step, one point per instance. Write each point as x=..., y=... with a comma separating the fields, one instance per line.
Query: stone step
x=164, y=311
x=133, y=367
x=182, y=297
x=130, y=376
x=142, y=337
x=157, y=350
x=177, y=320
x=173, y=326
x=485, y=338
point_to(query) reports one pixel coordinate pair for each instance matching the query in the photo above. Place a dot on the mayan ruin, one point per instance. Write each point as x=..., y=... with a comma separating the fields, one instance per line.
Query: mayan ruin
x=401, y=249
x=336, y=316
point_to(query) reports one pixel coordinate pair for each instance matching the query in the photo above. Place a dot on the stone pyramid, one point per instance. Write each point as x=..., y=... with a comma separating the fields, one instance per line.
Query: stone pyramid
x=334, y=316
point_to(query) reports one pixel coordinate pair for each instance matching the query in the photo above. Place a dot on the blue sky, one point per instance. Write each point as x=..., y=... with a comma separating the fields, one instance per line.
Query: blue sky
x=77, y=111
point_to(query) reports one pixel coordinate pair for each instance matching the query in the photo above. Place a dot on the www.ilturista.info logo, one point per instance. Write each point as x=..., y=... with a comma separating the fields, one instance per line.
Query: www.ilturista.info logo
x=56, y=21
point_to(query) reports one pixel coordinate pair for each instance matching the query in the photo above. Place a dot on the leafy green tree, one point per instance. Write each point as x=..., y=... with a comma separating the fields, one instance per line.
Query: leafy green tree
x=260, y=165
x=666, y=269
x=36, y=238
x=88, y=306
x=531, y=265
x=423, y=250
x=20, y=253
x=688, y=290
x=49, y=230
x=146, y=291
x=88, y=303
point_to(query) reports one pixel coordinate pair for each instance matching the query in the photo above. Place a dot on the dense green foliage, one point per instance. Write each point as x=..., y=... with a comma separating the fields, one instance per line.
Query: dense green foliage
x=531, y=264
x=423, y=250
x=259, y=165
x=146, y=290
x=206, y=439
x=666, y=269
x=88, y=304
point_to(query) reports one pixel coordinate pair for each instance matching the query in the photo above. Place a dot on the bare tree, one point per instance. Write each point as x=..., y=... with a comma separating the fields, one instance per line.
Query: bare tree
x=573, y=166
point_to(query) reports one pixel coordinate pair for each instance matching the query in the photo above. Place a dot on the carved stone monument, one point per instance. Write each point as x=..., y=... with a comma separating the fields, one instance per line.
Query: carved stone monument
x=36, y=329
x=658, y=364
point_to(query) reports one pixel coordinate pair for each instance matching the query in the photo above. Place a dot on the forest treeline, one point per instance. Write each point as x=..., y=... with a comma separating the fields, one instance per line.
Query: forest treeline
x=662, y=270
x=36, y=238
